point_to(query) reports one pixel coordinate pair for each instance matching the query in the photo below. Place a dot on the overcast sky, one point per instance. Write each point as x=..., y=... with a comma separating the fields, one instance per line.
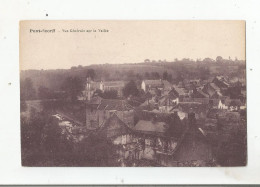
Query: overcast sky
x=127, y=42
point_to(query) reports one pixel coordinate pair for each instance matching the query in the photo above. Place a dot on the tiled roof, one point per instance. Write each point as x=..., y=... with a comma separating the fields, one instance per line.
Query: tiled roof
x=150, y=127
x=114, y=104
x=222, y=78
x=180, y=91
x=158, y=84
x=192, y=106
x=153, y=82
x=214, y=102
x=208, y=91
x=213, y=85
x=114, y=83
x=148, y=95
x=166, y=84
x=167, y=100
x=149, y=115
x=124, y=129
x=184, y=150
x=232, y=102
x=147, y=106
x=95, y=100
x=135, y=101
x=213, y=112
x=202, y=93
x=199, y=100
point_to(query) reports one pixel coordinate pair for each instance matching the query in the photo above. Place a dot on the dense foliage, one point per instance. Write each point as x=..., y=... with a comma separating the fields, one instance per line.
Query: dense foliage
x=44, y=144
x=172, y=71
x=130, y=89
x=73, y=87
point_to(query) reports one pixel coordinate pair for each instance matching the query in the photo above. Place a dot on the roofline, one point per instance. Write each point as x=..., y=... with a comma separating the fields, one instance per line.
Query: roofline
x=114, y=113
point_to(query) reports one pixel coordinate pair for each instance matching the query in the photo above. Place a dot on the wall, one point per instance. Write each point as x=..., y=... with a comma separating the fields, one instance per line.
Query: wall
x=91, y=118
x=143, y=86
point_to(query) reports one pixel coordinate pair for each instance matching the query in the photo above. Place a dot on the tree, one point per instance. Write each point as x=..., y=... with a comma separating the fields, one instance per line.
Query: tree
x=109, y=94
x=158, y=92
x=155, y=75
x=130, y=74
x=179, y=77
x=185, y=60
x=118, y=75
x=98, y=92
x=165, y=75
x=106, y=75
x=96, y=150
x=208, y=60
x=27, y=90
x=219, y=59
x=43, y=144
x=130, y=89
x=73, y=86
x=138, y=76
x=31, y=130
x=234, y=92
x=147, y=75
x=169, y=77
x=52, y=137
x=43, y=92
x=204, y=73
x=147, y=61
x=91, y=73
x=31, y=137
x=52, y=105
x=233, y=152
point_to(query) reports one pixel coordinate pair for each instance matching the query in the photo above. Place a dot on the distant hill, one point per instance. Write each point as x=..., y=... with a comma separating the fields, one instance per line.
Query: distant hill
x=53, y=79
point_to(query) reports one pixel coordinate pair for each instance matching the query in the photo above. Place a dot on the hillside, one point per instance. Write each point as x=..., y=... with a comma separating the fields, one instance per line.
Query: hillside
x=53, y=79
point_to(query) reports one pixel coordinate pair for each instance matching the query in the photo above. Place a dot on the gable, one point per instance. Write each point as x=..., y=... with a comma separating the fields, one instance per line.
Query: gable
x=194, y=146
x=115, y=127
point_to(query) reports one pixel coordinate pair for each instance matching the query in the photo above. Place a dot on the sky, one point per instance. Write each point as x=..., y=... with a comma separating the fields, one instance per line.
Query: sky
x=127, y=42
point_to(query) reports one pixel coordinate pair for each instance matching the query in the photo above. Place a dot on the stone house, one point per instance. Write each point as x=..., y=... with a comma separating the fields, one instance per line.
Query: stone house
x=98, y=110
x=149, y=85
x=198, y=108
x=113, y=85
x=180, y=93
x=167, y=102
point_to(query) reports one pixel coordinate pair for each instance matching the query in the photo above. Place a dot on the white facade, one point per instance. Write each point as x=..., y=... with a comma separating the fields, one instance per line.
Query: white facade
x=222, y=105
x=143, y=86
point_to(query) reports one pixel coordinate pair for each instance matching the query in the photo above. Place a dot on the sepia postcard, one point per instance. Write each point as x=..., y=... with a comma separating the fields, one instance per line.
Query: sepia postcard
x=133, y=93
